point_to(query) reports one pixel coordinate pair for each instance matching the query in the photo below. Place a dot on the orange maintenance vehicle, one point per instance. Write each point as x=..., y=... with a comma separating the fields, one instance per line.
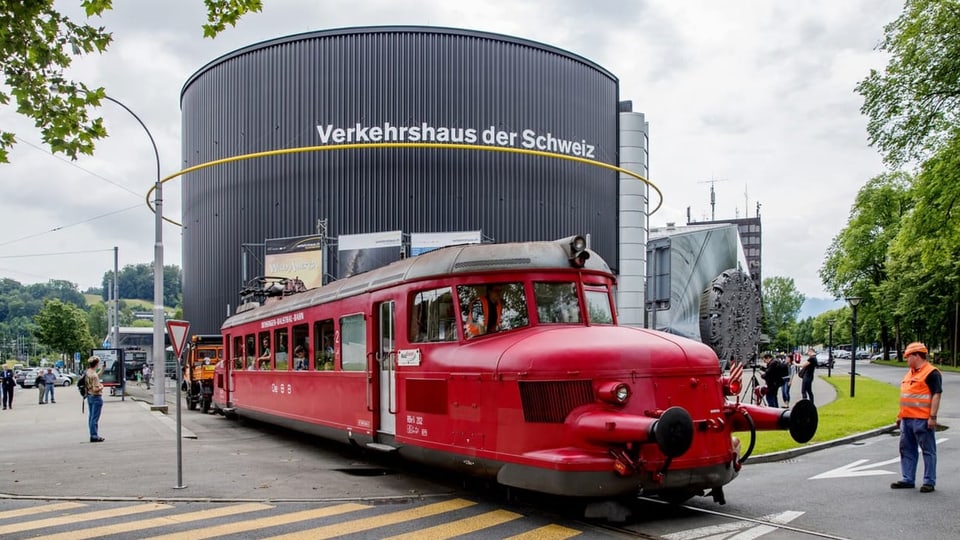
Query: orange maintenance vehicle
x=203, y=353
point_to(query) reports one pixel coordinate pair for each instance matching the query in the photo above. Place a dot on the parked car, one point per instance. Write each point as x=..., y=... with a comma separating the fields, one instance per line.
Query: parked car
x=823, y=358
x=28, y=378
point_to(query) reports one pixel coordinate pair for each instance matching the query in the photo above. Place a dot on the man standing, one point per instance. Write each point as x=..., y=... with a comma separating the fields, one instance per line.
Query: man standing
x=920, y=393
x=49, y=381
x=807, y=371
x=146, y=375
x=773, y=374
x=7, y=384
x=94, y=396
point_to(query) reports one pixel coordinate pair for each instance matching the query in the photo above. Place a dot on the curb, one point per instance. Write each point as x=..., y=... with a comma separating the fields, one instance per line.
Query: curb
x=795, y=452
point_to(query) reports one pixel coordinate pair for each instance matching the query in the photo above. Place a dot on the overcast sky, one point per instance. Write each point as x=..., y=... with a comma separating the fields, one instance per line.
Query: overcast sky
x=756, y=95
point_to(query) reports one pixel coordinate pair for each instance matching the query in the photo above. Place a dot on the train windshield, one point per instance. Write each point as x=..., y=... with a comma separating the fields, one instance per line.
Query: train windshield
x=598, y=306
x=557, y=302
x=492, y=307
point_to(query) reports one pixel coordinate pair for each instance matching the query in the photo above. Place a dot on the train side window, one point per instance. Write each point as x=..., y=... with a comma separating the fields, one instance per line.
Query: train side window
x=598, y=306
x=282, y=344
x=353, y=343
x=323, y=345
x=431, y=316
x=251, y=349
x=301, y=338
x=266, y=353
x=557, y=302
x=237, y=352
x=493, y=307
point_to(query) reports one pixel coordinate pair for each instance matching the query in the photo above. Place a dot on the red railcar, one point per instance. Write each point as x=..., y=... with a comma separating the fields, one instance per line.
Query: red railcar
x=501, y=360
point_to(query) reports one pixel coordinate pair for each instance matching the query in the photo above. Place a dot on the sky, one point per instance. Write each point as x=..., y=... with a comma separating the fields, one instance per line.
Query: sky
x=754, y=98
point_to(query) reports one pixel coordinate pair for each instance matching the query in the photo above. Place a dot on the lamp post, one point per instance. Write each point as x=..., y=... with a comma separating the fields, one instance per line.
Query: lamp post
x=854, y=301
x=159, y=351
x=830, y=323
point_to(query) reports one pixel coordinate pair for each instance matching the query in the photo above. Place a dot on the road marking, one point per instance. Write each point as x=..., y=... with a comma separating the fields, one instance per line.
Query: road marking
x=165, y=521
x=34, y=510
x=77, y=518
x=857, y=468
x=548, y=532
x=267, y=521
x=461, y=526
x=737, y=530
x=393, y=518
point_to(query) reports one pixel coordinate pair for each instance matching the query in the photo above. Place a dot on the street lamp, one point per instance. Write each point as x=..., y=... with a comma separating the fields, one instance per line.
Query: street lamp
x=159, y=350
x=854, y=301
x=830, y=323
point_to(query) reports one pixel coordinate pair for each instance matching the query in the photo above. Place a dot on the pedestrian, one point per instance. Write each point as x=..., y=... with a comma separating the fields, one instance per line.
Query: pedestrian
x=146, y=375
x=773, y=374
x=7, y=384
x=920, y=392
x=49, y=381
x=41, y=386
x=785, y=389
x=807, y=368
x=94, y=396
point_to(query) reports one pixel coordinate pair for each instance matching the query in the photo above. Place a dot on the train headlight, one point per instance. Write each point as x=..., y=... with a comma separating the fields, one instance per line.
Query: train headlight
x=614, y=393
x=578, y=252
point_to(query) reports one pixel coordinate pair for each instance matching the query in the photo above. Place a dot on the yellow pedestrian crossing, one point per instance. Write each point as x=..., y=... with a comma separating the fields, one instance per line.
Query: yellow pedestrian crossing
x=165, y=521
x=185, y=521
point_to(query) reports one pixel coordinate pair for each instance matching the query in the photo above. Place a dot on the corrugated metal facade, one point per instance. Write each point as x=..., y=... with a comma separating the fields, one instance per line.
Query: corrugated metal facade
x=275, y=95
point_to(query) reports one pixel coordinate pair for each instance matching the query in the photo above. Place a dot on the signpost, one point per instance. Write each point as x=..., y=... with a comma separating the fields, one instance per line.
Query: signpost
x=178, y=330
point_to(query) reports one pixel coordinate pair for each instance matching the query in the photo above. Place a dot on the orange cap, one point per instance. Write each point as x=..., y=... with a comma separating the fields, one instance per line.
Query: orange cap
x=915, y=347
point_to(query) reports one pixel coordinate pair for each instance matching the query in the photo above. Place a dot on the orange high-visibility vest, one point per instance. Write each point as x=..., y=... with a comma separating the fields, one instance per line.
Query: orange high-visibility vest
x=478, y=323
x=915, y=396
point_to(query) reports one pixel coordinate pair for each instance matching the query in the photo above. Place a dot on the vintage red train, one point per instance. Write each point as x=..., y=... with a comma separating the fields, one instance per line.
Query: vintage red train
x=500, y=360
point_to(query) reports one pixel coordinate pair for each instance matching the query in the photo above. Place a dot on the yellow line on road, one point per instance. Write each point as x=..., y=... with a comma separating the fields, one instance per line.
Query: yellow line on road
x=77, y=518
x=262, y=523
x=165, y=521
x=34, y=510
x=384, y=520
x=548, y=532
x=461, y=526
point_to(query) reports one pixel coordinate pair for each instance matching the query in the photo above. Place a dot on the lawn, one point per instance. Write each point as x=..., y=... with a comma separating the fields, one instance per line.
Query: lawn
x=875, y=405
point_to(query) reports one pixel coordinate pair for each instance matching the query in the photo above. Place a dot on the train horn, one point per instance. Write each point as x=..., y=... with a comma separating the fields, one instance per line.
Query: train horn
x=673, y=432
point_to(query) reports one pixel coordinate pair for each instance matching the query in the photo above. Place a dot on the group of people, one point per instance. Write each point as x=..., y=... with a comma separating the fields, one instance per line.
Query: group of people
x=778, y=373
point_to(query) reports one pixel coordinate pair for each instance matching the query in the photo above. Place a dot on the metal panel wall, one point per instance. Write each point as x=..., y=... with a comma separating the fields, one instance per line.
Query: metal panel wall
x=274, y=95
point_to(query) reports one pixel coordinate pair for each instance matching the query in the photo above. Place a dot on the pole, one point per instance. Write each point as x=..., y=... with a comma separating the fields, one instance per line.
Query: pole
x=179, y=426
x=853, y=356
x=830, y=348
x=115, y=329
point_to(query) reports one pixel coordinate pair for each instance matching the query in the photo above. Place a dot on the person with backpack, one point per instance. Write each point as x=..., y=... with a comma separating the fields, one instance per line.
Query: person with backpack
x=94, y=391
x=807, y=368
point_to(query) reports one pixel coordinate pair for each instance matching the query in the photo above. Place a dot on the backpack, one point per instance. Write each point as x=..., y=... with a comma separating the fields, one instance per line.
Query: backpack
x=82, y=385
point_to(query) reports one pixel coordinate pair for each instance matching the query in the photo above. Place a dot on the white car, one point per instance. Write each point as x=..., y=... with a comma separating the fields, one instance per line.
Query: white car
x=28, y=378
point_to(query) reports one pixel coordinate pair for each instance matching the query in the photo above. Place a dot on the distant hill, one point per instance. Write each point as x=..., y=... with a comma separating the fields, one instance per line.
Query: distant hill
x=815, y=306
x=134, y=303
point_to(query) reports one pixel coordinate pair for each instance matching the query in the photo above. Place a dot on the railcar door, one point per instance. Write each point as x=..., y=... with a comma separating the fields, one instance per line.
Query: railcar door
x=387, y=365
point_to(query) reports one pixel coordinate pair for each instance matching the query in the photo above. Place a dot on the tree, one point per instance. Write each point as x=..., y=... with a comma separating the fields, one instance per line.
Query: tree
x=913, y=107
x=63, y=328
x=856, y=261
x=46, y=43
x=781, y=304
x=136, y=282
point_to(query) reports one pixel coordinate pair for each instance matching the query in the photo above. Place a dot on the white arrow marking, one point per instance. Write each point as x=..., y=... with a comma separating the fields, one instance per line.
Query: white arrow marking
x=737, y=530
x=857, y=468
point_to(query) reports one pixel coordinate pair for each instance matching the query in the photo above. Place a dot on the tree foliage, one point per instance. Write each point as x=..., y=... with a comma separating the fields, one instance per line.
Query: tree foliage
x=39, y=43
x=136, y=282
x=63, y=328
x=913, y=106
x=781, y=304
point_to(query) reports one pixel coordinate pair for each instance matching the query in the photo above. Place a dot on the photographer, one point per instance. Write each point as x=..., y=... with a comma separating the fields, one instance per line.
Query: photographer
x=773, y=373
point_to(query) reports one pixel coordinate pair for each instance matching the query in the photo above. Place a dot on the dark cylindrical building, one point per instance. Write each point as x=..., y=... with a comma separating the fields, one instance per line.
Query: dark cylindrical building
x=390, y=84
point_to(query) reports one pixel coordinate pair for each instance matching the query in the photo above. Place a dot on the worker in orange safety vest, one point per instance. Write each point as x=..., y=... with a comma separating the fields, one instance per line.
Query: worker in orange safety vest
x=920, y=393
x=481, y=319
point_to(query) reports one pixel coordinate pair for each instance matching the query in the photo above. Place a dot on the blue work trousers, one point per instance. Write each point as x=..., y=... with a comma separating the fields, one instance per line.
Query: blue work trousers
x=95, y=404
x=48, y=394
x=914, y=433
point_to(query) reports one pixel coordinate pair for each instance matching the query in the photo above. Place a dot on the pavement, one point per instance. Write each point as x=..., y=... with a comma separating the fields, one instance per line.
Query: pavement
x=46, y=454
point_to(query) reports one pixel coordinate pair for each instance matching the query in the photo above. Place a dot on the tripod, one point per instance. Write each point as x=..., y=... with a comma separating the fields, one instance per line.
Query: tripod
x=754, y=390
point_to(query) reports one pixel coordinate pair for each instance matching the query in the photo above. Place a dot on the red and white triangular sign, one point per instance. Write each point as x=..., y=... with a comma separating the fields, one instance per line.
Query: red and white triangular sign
x=177, y=330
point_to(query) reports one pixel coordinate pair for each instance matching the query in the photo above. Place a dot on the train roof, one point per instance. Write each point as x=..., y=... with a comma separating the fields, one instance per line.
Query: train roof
x=460, y=259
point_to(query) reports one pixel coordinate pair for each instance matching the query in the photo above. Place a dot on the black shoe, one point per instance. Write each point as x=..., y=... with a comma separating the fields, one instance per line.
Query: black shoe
x=926, y=488
x=53, y=402
x=97, y=439
x=901, y=485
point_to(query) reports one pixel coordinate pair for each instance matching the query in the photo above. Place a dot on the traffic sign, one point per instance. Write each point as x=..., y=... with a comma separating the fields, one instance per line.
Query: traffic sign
x=178, y=330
